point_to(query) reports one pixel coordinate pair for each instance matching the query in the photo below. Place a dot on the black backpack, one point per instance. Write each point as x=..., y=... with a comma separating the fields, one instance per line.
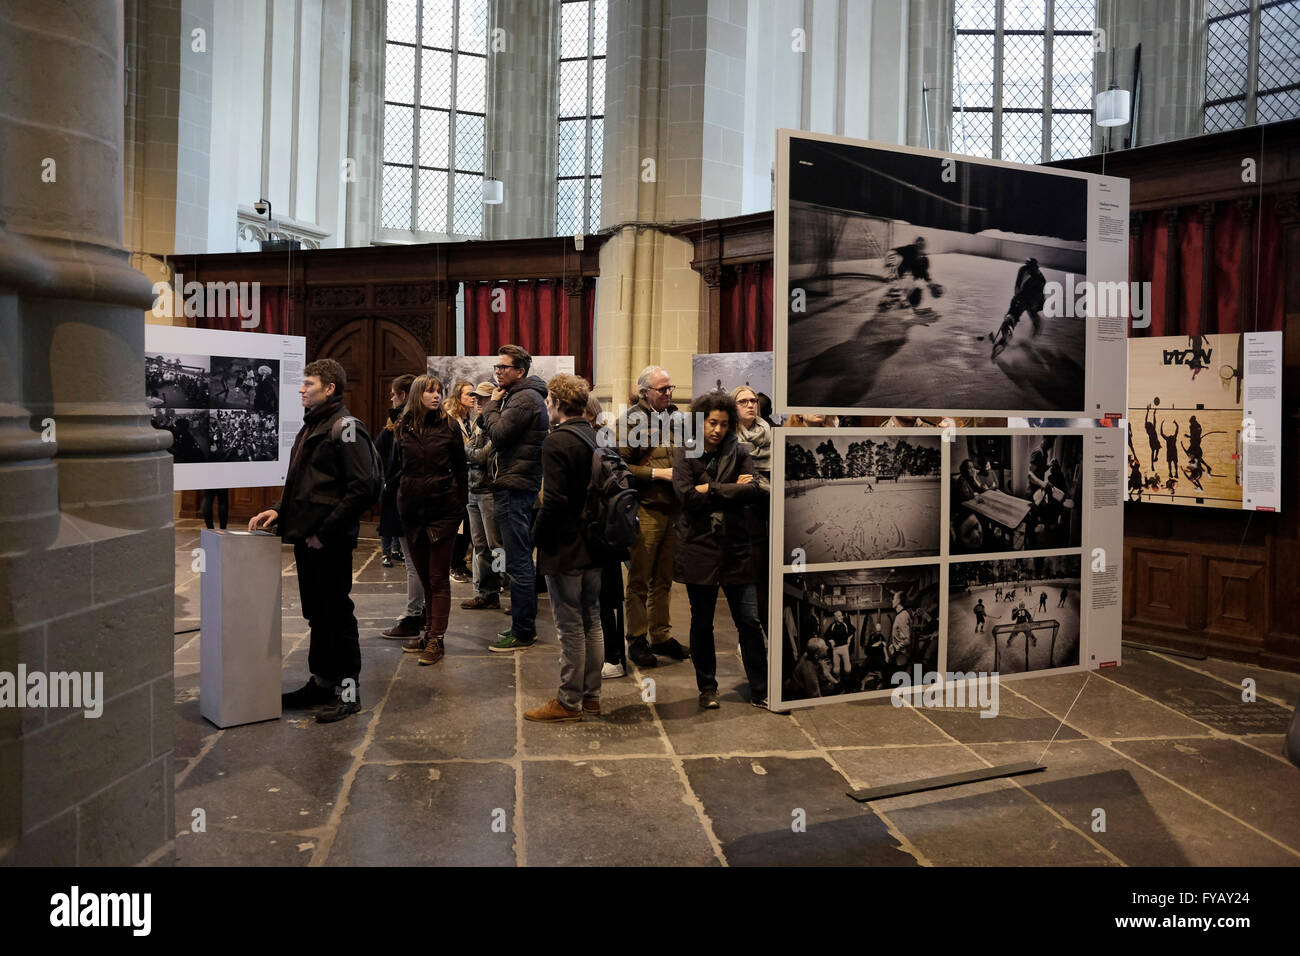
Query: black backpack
x=609, y=516
x=375, y=482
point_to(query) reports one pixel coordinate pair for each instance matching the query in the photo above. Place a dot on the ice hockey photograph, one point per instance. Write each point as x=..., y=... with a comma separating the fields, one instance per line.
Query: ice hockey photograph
x=848, y=632
x=862, y=497
x=1014, y=615
x=1015, y=493
x=922, y=283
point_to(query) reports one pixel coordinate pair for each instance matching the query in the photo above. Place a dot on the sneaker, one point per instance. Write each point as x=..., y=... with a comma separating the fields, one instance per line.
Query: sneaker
x=309, y=695
x=611, y=671
x=639, y=651
x=433, y=651
x=416, y=644
x=386, y=561
x=405, y=627
x=338, y=710
x=591, y=706
x=759, y=702
x=461, y=576
x=399, y=557
x=509, y=643
x=670, y=648
x=552, y=712
x=709, y=700
x=478, y=602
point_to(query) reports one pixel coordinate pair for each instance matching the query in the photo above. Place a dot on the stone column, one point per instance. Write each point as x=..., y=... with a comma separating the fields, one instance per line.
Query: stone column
x=86, y=554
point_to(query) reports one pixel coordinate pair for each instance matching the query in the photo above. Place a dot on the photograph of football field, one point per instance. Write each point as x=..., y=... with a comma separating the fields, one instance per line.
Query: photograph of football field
x=1048, y=589
x=1185, y=419
x=899, y=279
x=862, y=498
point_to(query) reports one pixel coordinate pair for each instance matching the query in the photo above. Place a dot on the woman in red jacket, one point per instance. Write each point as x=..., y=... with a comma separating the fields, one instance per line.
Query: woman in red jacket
x=431, y=502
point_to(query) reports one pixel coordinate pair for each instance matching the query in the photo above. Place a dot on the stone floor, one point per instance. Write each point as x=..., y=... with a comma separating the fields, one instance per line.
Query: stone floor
x=440, y=768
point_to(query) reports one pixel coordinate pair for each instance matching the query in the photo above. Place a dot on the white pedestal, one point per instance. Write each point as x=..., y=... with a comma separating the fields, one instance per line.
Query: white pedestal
x=239, y=644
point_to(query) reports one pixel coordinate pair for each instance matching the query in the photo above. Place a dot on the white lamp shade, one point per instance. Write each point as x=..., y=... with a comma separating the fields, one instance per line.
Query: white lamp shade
x=494, y=192
x=1112, y=107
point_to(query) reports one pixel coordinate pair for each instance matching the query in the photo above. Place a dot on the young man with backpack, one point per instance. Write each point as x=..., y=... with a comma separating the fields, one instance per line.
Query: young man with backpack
x=334, y=477
x=567, y=530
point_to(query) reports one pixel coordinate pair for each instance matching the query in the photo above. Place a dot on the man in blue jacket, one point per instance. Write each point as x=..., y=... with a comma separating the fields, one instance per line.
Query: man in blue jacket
x=516, y=423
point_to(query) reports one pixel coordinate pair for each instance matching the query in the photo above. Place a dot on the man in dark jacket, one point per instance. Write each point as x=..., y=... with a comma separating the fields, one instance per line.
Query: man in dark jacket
x=319, y=513
x=515, y=421
x=572, y=575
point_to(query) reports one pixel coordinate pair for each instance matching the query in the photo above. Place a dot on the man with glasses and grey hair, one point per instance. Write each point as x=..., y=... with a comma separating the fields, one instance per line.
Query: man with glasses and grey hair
x=646, y=444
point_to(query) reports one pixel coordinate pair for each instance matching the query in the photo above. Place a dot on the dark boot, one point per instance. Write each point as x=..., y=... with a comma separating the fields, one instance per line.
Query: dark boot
x=405, y=627
x=433, y=650
x=311, y=694
x=341, y=708
x=416, y=644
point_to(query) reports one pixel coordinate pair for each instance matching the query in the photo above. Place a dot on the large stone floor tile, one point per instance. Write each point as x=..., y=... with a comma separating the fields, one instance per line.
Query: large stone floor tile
x=1104, y=709
x=867, y=724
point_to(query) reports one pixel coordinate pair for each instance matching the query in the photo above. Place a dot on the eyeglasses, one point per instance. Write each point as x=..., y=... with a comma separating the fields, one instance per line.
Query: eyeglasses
x=666, y=390
x=502, y=368
x=746, y=401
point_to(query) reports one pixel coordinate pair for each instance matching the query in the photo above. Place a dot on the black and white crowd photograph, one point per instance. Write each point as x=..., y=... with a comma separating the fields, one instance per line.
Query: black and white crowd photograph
x=727, y=371
x=172, y=380
x=921, y=283
x=847, y=632
x=862, y=497
x=248, y=383
x=1013, y=615
x=238, y=435
x=190, y=433
x=1015, y=493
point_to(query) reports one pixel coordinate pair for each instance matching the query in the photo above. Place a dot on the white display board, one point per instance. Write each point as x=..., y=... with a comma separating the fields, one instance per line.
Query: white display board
x=895, y=268
x=873, y=522
x=1205, y=420
x=711, y=371
x=230, y=400
x=450, y=369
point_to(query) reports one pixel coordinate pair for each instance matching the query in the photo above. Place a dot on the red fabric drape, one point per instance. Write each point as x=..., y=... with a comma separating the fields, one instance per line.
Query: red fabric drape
x=535, y=315
x=1246, y=250
x=274, y=310
x=746, y=320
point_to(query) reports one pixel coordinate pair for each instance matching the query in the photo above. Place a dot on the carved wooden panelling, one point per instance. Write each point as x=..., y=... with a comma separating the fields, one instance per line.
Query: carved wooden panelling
x=1160, y=587
x=404, y=296
x=336, y=297
x=1235, y=598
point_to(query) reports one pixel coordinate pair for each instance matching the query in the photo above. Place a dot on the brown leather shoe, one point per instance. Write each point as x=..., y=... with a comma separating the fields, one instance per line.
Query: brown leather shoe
x=433, y=651
x=553, y=712
x=416, y=644
x=479, y=603
x=406, y=627
x=591, y=705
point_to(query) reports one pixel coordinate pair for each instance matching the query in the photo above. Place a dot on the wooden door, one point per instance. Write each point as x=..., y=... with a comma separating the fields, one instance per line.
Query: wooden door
x=396, y=352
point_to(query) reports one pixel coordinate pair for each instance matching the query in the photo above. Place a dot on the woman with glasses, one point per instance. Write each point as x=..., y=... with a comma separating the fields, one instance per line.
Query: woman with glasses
x=755, y=436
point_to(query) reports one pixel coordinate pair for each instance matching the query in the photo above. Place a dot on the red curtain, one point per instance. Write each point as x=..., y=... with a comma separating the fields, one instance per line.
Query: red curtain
x=1246, y=250
x=274, y=309
x=532, y=313
x=746, y=321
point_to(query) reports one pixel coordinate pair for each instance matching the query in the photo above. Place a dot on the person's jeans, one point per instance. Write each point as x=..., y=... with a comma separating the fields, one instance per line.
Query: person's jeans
x=390, y=544
x=432, y=560
x=222, y=498
x=414, y=591
x=325, y=584
x=742, y=599
x=650, y=577
x=514, y=523
x=483, y=533
x=575, y=602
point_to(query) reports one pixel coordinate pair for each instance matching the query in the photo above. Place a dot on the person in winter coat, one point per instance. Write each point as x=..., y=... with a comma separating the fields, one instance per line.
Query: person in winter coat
x=459, y=406
x=390, y=525
x=755, y=436
x=482, y=513
x=713, y=544
x=515, y=421
x=431, y=500
x=573, y=576
x=326, y=490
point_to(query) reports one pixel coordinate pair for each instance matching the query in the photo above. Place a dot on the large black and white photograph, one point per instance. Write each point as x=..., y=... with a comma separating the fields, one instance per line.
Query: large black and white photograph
x=239, y=435
x=848, y=632
x=920, y=282
x=727, y=371
x=173, y=380
x=1015, y=493
x=190, y=430
x=852, y=498
x=1014, y=615
x=248, y=383
x=450, y=369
